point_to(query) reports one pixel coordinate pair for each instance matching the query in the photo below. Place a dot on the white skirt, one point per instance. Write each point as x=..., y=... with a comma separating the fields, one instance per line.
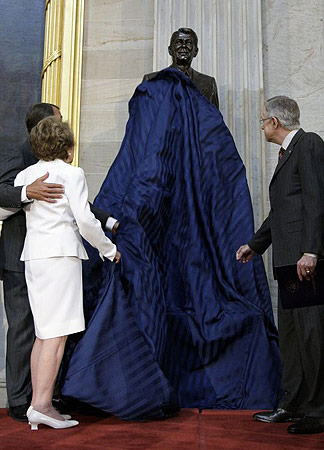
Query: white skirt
x=55, y=295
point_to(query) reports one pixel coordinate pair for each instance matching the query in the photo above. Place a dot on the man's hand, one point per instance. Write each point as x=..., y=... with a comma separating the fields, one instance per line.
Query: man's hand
x=244, y=254
x=48, y=192
x=117, y=257
x=115, y=228
x=306, y=267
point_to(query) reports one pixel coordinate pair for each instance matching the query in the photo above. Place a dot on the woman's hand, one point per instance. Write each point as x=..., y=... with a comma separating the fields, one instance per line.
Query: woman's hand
x=115, y=228
x=117, y=257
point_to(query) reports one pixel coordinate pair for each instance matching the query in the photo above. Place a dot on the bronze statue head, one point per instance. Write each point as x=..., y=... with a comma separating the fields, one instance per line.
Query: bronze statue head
x=183, y=47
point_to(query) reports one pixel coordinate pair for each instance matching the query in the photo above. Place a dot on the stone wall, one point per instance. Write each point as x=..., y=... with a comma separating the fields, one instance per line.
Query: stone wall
x=293, y=65
x=118, y=50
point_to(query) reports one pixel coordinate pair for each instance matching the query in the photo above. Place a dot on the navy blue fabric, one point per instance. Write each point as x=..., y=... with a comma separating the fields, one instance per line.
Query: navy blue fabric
x=179, y=319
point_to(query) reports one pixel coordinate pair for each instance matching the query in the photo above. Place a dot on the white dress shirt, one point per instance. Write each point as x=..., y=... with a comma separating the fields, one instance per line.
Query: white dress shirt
x=288, y=139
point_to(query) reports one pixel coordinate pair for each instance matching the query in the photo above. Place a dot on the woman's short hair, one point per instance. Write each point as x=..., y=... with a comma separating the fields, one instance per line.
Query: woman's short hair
x=51, y=139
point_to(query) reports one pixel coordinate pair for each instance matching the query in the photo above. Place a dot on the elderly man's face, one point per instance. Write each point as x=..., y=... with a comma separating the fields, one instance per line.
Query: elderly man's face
x=267, y=125
x=183, y=49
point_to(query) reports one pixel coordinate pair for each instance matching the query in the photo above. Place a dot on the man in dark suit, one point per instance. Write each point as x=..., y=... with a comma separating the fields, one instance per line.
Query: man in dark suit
x=295, y=228
x=183, y=48
x=20, y=336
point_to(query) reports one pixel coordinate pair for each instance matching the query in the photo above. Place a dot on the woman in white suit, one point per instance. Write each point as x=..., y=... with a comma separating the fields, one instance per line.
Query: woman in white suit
x=52, y=252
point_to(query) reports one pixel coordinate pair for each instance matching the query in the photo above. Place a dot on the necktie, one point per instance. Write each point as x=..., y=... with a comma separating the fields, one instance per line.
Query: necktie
x=281, y=153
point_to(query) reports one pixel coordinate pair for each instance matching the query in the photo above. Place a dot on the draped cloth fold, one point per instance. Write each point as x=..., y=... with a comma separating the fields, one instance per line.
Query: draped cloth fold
x=179, y=320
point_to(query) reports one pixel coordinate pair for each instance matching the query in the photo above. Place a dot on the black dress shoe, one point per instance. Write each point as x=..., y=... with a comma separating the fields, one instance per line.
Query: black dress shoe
x=277, y=416
x=62, y=406
x=170, y=410
x=67, y=405
x=19, y=412
x=307, y=425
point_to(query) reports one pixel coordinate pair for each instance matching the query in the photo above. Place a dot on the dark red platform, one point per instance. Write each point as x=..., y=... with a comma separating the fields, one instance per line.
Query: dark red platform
x=217, y=430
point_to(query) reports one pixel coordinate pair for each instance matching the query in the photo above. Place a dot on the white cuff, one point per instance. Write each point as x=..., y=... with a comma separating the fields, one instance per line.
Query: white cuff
x=110, y=223
x=310, y=254
x=24, y=198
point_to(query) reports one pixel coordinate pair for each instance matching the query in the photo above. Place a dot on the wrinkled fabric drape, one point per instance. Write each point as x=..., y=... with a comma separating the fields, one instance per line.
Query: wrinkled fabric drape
x=179, y=320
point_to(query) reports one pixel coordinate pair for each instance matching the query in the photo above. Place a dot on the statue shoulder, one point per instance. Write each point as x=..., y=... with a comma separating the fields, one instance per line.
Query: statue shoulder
x=207, y=86
x=149, y=76
x=203, y=77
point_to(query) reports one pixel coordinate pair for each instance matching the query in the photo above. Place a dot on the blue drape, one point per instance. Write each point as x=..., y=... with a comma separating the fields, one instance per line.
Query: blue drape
x=179, y=320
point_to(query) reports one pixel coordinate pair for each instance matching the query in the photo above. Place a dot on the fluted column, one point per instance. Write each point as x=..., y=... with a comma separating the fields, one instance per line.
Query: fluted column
x=61, y=74
x=230, y=49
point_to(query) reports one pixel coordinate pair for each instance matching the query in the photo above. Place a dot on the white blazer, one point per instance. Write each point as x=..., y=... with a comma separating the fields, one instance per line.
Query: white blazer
x=55, y=229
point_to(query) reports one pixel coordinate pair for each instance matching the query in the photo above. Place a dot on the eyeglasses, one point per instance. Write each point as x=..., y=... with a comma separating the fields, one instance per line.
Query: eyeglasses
x=262, y=120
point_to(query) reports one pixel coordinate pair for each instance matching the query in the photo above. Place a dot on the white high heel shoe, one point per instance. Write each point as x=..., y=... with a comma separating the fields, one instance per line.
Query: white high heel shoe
x=35, y=418
x=65, y=416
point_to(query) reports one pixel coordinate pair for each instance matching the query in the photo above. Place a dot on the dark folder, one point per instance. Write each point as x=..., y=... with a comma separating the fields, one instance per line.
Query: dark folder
x=298, y=294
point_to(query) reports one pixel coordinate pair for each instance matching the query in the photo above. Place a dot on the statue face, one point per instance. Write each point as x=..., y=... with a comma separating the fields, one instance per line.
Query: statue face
x=183, y=49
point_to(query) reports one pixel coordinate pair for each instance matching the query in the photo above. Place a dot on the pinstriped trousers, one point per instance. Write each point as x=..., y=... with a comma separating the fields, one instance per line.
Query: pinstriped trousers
x=20, y=338
x=301, y=341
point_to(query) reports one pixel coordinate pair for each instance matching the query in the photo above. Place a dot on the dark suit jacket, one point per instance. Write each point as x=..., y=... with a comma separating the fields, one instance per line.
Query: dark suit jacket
x=12, y=238
x=205, y=83
x=13, y=160
x=295, y=224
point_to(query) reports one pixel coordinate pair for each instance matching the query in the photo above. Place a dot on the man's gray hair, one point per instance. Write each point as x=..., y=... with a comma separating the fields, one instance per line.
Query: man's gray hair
x=285, y=109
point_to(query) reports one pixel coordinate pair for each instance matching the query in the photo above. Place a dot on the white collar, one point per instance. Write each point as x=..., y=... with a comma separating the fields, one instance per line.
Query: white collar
x=57, y=160
x=288, y=139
